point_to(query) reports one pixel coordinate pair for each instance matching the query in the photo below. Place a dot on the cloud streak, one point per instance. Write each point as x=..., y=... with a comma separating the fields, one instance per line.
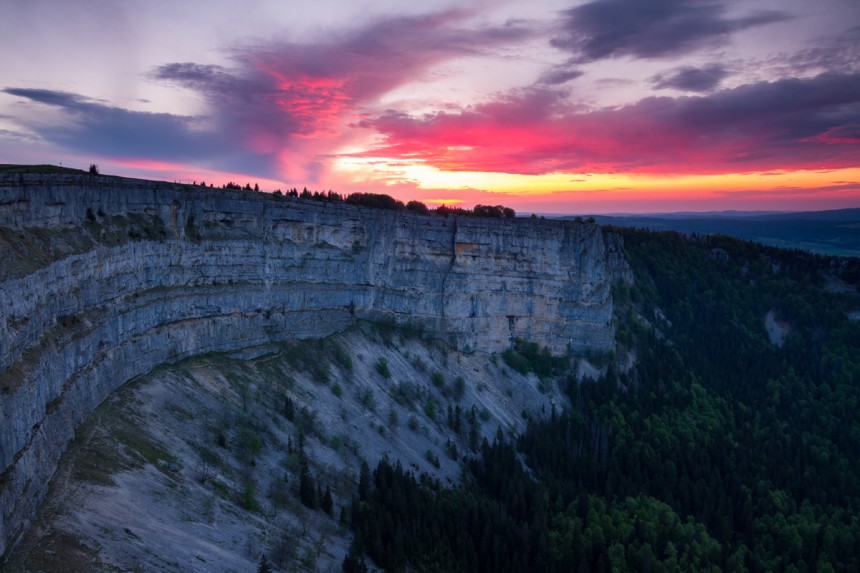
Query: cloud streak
x=653, y=29
x=96, y=127
x=692, y=79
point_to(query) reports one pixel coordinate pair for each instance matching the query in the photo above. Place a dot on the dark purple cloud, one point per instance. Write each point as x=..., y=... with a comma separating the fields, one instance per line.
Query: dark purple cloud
x=788, y=124
x=692, y=79
x=50, y=97
x=110, y=131
x=650, y=28
x=559, y=75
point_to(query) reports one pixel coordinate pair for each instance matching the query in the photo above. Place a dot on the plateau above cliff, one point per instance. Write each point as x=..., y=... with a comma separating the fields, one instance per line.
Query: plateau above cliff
x=105, y=278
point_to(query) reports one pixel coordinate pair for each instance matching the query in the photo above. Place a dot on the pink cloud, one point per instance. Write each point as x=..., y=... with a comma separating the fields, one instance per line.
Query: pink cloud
x=788, y=124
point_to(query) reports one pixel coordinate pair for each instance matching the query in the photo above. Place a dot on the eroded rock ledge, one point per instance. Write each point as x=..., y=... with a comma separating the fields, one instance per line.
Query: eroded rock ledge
x=105, y=278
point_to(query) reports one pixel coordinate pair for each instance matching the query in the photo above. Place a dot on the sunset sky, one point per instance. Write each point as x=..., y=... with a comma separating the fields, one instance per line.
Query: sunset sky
x=542, y=105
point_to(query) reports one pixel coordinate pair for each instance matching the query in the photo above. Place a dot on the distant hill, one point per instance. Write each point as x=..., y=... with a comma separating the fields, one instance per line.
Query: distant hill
x=835, y=232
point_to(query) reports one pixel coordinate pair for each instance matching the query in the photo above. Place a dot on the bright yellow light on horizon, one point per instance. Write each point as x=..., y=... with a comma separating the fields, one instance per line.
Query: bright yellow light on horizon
x=515, y=184
x=572, y=185
x=444, y=201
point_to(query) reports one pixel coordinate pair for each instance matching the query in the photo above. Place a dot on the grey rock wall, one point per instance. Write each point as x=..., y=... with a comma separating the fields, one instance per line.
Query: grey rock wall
x=103, y=278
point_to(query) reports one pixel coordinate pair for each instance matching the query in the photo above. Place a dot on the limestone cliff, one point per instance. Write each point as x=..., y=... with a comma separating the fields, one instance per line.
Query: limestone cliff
x=102, y=278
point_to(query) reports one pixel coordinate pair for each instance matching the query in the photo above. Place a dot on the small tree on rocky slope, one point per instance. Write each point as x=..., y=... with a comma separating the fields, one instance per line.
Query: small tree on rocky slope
x=264, y=566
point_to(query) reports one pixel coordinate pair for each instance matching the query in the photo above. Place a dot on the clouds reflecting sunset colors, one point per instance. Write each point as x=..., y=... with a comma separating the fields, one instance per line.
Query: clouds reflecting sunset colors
x=610, y=105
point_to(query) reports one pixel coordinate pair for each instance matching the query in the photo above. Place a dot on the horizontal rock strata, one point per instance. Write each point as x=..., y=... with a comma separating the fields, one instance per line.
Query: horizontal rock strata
x=104, y=278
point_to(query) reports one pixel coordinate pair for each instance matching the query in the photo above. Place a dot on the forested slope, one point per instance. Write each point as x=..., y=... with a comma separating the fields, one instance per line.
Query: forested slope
x=721, y=450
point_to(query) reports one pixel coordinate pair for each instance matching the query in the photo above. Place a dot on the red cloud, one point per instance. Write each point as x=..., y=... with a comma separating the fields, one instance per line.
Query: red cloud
x=316, y=104
x=788, y=124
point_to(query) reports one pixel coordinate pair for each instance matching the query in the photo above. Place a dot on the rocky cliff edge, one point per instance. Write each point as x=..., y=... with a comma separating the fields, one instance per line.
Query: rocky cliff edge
x=103, y=278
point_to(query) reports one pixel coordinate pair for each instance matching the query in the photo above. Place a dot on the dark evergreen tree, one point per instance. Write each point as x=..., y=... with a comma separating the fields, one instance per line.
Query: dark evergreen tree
x=307, y=486
x=264, y=566
x=354, y=560
x=326, y=501
x=364, y=481
x=289, y=409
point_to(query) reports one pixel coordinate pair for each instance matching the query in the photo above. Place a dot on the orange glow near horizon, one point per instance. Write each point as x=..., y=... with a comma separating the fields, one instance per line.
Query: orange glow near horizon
x=449, y=201
x=552, y=192
x=781, y=190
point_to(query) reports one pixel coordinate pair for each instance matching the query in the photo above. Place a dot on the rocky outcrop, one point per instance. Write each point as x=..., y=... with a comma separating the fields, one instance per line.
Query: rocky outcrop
x=105, y=278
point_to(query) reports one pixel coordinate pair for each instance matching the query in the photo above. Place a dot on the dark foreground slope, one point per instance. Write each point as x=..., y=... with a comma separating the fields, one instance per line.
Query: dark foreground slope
x=727, y=447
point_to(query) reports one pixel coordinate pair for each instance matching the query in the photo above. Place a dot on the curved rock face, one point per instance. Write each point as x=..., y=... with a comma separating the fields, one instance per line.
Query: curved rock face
x=105, y=278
